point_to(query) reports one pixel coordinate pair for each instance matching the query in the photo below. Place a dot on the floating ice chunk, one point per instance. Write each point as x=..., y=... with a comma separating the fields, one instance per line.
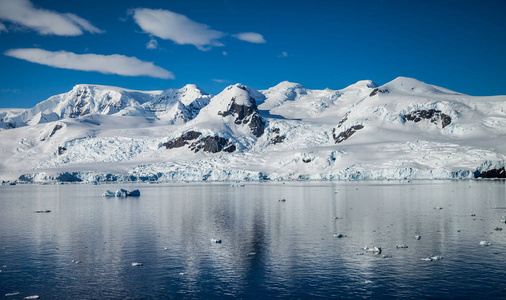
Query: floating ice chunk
x=339, y=235
x=427, y=259
x=417, y=237
x=32, y=297
x=252, y=254
x=485, y=243
x=121, y=193
x=12, y=294
x=438, y=207
x=401, y=246
x=373, y=250
x=137, y=264
x=76, y=261
x=108, y=193
x=217, y=241
x=436, y=257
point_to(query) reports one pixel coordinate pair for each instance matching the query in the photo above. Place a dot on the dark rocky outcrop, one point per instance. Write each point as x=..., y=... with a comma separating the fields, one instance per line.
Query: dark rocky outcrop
x=435, y=116
x=378, y=90
x=211, y=144
x=55, y=129
x=344, y=135
x=494, y=173
x=182, y=140
x=61, y=150
x=277, y=139
x=246, y=115
x=344, y=119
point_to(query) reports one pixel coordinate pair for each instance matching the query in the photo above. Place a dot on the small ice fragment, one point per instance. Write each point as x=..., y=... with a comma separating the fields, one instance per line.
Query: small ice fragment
x=165, y=248
x=438, y=207
x=359, y=253
x=136, y=264
x=181, y=273
x=373, y=250
x=76, y=261
x=12, y=294
x=427, y=259
x=338, y=235
x=417, y=237
x=485, y=243
x=32, y=297
x=217, y=241
x=401, y=246
x=252, y=254
x=436, y=257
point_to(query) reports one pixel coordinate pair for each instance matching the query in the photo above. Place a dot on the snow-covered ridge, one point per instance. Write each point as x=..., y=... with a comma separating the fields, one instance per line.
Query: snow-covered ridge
x=404, y=129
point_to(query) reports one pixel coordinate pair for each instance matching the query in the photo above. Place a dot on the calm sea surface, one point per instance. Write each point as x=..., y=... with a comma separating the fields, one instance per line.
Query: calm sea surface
x=269, y=249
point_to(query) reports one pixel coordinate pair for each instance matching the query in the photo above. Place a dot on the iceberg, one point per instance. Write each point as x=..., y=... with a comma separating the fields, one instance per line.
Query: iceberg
x=121, y=193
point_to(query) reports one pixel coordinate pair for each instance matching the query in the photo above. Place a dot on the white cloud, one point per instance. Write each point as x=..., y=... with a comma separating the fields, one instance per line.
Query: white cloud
x=152, y=44
x=107, y=64
x=169, y=25
x=251, y=37
x=3, y=28
x=22, y=12
x=283, y=54
x=225, y=53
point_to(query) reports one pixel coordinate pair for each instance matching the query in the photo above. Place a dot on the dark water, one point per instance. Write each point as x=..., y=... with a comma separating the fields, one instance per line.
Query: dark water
x=269, y=249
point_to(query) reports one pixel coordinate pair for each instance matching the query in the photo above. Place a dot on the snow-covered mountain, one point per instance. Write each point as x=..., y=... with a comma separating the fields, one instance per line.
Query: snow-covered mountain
x=405, y=129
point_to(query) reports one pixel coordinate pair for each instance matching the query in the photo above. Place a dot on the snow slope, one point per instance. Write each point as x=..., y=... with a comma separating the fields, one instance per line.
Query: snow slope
x=405, y=129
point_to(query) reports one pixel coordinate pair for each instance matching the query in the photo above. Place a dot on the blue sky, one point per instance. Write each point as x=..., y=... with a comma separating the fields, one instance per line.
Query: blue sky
x=47, y=47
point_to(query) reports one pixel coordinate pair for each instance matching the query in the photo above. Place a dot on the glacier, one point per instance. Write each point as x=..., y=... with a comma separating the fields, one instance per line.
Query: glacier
x=403, y=130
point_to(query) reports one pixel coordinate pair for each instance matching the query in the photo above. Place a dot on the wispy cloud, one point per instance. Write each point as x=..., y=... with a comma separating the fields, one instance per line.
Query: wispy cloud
x=22, y=12
x=11, y=91
x=283, y=54
x=251, y=37
x=107, y=64
x=169, y=25
x=220, y=80
x=2, y=27
x=152, y=44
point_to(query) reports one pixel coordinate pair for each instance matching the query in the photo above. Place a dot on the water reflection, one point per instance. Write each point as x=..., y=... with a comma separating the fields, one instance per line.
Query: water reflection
x=269, y=248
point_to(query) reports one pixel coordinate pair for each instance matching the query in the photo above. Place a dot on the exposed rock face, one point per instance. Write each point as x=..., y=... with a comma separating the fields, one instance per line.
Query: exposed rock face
x=494, y=173
x=246, y=115
x=182, y=140
x=277, y=139
x=435, y=116
x=378, y=90
x=61, y=150
x=344, y=135
x=344, y=119
x=211, y=144
x=55, y=129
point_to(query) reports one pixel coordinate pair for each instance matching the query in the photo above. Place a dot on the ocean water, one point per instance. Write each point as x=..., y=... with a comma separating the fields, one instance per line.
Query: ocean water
x=269, y=249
